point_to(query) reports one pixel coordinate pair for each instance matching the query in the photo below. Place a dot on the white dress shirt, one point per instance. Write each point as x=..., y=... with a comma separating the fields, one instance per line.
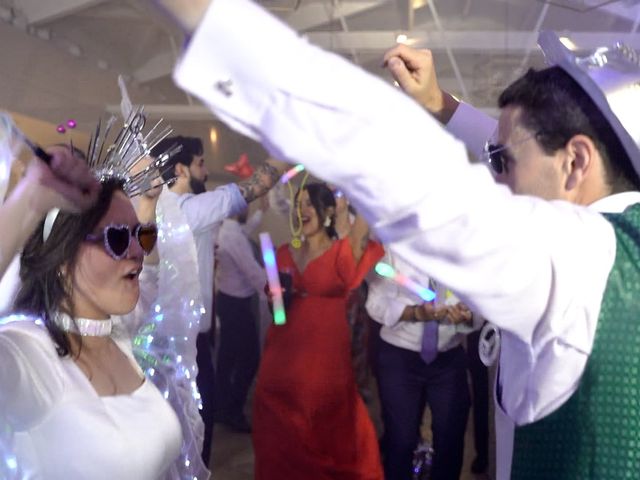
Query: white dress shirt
x=537, y=269
x=252, y=223
x=238, y=273
x=387, y=300
x=204, y=212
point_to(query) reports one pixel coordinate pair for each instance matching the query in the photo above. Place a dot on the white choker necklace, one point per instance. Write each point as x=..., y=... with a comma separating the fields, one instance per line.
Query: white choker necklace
x=85, y=327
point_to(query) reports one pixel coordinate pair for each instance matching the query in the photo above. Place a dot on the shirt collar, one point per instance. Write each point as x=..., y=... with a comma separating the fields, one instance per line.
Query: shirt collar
x=616, y=203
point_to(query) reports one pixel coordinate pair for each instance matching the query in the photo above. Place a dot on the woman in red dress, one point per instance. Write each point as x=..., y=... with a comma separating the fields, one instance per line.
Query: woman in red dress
x=309, y=422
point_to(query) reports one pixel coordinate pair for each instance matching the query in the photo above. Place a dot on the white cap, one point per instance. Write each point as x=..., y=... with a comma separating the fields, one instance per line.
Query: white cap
x=611, y=77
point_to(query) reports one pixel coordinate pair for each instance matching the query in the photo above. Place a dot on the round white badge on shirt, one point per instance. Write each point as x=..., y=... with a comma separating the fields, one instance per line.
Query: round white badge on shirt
x=489, y=344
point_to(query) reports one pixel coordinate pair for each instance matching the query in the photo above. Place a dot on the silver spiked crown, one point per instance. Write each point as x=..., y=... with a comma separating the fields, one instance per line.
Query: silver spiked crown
x=130, y=146
x=121, y=158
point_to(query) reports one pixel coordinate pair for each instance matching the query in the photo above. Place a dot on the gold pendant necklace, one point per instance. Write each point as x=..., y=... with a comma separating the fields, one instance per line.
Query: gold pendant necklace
x=296, y=233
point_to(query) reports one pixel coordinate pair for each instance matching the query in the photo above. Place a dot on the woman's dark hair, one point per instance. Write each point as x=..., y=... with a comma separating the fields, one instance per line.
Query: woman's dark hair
x=556, y=108
x=43, y=291
x=321, y=198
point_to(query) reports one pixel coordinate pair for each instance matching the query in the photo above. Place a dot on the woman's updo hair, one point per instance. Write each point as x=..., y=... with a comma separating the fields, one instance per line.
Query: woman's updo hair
x=322, y=198
x=43, y=290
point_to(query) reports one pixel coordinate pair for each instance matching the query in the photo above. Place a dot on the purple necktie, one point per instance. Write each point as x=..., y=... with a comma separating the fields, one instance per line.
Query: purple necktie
x=429, y=348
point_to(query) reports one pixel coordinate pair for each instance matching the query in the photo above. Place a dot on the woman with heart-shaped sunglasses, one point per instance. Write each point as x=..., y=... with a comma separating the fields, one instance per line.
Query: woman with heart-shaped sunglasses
x=69, y=381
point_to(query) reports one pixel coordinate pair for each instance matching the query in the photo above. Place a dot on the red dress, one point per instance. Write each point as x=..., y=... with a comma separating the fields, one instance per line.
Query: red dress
x=309, y=422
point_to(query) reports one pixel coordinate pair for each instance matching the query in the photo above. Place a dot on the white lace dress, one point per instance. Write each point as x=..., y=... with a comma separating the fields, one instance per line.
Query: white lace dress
x=64, y=430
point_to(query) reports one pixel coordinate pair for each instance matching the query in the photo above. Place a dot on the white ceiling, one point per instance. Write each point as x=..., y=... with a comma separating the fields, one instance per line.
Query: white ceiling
x=71, y=51
x=479, y=45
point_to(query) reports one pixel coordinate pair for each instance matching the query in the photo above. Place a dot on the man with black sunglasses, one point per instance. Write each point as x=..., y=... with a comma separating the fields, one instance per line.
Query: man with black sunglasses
x=560, y=279
x=552, y=112
x=546, y=107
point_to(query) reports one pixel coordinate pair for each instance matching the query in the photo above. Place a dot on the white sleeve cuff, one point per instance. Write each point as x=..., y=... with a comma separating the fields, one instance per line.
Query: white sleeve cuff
x=472, y=126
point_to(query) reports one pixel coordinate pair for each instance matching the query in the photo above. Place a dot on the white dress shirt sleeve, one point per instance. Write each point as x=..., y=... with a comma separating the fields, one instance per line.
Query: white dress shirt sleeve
x=253, y=222
x=239, y=250
x=516, y=260
x=473, y=127
x=208, y=208
x=30, y=382
x=385, y=303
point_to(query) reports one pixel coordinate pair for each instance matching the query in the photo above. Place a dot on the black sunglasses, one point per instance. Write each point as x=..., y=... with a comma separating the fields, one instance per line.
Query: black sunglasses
x=497, y=154
x=117, y=238
x=495, y=157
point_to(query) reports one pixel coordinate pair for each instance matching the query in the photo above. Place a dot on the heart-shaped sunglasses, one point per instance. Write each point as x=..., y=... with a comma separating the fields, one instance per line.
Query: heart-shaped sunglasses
x=117, y=238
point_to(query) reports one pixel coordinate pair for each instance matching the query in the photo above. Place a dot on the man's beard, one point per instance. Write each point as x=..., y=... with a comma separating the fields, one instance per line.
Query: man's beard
x=197, y=186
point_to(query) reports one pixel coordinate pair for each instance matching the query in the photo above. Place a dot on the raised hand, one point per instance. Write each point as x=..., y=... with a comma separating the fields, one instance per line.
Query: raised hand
x=415, y=72
x=67, y=183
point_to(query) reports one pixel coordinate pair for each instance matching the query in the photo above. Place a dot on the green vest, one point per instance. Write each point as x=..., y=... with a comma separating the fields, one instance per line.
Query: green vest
x=596, y=433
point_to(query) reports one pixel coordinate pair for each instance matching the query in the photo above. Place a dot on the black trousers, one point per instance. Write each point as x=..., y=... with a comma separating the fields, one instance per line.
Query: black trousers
x=206, y=380
x=406, y=385
x=238, y=354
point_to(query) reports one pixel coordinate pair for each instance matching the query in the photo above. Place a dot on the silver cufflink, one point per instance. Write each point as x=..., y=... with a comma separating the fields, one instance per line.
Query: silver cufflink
x=224, y=87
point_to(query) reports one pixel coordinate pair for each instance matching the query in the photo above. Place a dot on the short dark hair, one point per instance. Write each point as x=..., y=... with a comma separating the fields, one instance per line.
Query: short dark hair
x=43, y=290
x=191, y=146
x=321, y=198
x=556, y=108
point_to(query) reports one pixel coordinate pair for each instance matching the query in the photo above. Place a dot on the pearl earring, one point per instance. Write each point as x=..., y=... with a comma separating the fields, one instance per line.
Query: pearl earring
x=327, y=222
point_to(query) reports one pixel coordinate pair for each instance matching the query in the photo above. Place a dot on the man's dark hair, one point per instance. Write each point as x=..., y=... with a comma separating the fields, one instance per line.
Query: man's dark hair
x=191, y=146
x=556, y=108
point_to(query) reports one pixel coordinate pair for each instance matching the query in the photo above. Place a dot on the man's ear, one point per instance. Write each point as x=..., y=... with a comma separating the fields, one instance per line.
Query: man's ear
x=181, y=170
x=581, y=153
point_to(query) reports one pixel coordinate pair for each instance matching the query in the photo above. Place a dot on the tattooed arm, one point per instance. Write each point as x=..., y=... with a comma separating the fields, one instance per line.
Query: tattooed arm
x=263, y=179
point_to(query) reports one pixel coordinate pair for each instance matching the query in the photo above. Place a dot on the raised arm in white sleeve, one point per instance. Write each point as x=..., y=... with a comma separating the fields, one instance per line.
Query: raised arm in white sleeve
x=516, y=260
x=208, y=208
x=30, y=383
